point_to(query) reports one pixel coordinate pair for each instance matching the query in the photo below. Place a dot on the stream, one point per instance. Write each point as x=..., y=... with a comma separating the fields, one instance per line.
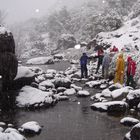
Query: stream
x=70, y=120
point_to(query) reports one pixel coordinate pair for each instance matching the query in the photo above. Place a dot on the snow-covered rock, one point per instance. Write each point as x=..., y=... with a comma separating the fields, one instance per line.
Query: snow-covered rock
x=134, y=134
x=113, y=106
x=47, y=84
x=60, y=97
x=62, y=82
x=30, y=128
x=133, y=98
x=58, y=56
x=71, y=70
x=129, y=121
x=11, y=134
x=103, y=86
x=77, y=88
x=83, y=93
x=92, y=84
x=40, y=61
x=32, y=97
x=25, y=76
x=51, y=71
x=74, y=61
x=24, y=72
x=115, y=86
x=120, y=93
x=61, y=89
x=98, y=98
x=127, y=136
x=40, y=78
x=106, y=93
x=70, y=91
x=49, y=76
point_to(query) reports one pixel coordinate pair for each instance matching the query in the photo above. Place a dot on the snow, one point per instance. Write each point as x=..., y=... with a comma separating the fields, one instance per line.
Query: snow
x=51, y=71
x=106, y=93
x=3, y=30
x=121, y=37
x=2, y=123
x=116, y=85
x=131, y=120
x=77, y=88
x=60, y=97
x=93, y=83
x=128, y=136
x=83, y=93
x=11, y=134
x=104, y=106
x=120, y=92
x=24, y=72
x=39, y=60
x=133, y=94
x=70, y=91
x=32, y=126
x=47, y=84
x=1, y=129
x=29, y=96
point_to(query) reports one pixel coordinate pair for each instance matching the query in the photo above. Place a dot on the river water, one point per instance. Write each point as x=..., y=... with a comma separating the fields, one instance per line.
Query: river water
x=70, y=120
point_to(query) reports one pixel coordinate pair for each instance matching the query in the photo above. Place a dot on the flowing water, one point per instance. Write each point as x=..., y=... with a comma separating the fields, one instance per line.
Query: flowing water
x=70, y=120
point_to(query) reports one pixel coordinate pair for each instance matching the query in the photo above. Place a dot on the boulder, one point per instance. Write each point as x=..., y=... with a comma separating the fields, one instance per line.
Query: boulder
x=25, y=76
x=120, y=94
x=62, y=82
x=30, y=97
x=112, y=106
x=8, y=60
x=47, y=84
x=133, y=98
x=129, y=121
x=115, y=86
x=83, y=93
x=70, y=91
x=30, y=128
x=40, y=61
x=11, y=134
x=58, y=56
x=134, y=134
x=61, y=89
x=7, y=43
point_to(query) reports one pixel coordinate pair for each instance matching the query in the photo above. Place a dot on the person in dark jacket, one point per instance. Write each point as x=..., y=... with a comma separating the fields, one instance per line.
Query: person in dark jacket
x=100, y=59
x=83, y=63
x=131, y=69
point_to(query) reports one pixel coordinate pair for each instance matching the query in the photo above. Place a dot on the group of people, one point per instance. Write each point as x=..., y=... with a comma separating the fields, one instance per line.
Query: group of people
x=104, y=59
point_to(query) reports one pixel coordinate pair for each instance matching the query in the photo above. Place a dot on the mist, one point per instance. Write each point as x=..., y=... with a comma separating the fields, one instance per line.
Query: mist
x=21, y=10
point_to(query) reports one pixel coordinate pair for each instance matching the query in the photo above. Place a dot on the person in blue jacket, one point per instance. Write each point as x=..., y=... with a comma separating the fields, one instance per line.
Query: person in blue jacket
x=83, y=63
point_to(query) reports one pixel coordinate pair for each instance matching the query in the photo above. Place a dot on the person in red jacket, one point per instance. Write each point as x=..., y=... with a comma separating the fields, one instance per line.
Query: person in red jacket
x=114, y=49
x=131, y=69
x=100, y=56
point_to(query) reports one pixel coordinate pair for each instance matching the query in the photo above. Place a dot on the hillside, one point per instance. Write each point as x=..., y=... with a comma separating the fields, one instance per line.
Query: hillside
x=126, y=37
x=82, y=21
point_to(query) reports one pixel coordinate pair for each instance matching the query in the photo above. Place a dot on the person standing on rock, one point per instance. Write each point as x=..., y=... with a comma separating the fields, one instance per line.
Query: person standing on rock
x=105, y=65
x=100, y=58
x=131, y=69
x=119, y=72
x=83, y=63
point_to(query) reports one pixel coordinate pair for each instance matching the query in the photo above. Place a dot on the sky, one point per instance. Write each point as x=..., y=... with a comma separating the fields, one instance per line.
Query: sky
x=21, y=10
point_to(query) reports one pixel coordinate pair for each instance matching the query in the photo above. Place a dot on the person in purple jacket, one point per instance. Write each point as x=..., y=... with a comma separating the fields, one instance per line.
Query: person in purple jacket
x=83, y=63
